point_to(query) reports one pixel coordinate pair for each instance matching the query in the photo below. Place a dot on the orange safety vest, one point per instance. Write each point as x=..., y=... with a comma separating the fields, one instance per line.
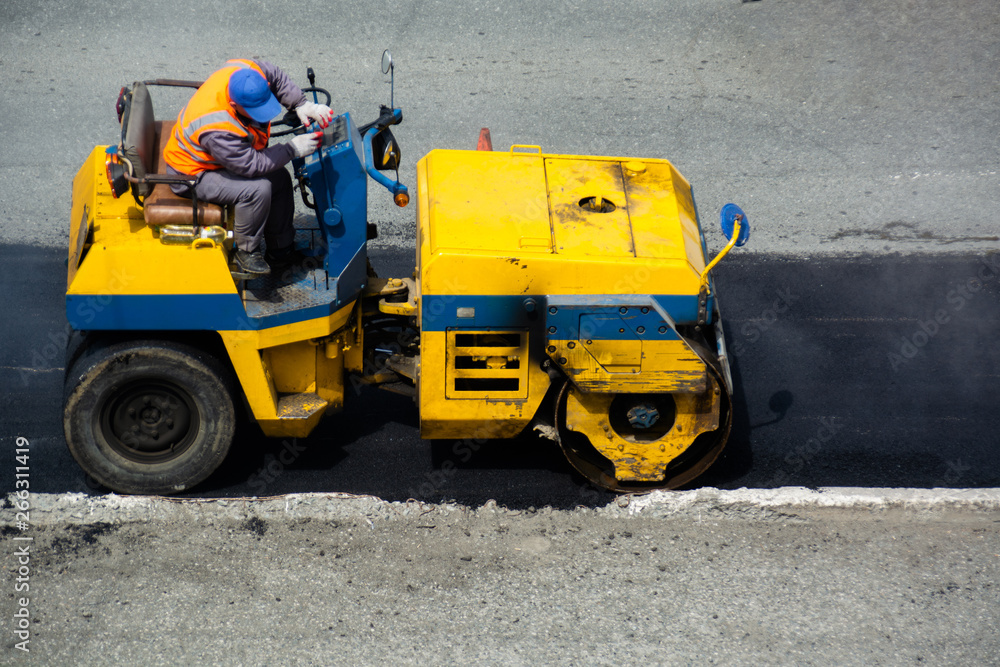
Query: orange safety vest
x=210, y=110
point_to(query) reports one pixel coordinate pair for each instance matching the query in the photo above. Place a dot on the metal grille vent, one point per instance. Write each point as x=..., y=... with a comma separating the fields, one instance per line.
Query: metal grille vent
x=487, y=364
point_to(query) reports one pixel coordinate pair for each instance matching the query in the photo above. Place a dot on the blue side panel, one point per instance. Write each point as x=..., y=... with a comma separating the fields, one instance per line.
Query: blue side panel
x=290, y=316
x=441, y=311
x=179, y=312
x=216, y=312
x=682, y=309
x=607, y=323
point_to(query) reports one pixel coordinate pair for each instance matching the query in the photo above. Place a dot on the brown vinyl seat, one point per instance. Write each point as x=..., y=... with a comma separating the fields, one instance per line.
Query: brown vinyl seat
x=143, y=140
x=162, y=206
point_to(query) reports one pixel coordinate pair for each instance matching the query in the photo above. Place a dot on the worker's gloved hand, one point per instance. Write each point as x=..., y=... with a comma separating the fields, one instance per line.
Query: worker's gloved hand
x=309, y=112
x=306, y=144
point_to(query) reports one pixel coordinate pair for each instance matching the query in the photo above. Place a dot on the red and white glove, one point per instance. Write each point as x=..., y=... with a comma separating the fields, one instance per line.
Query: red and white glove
x=310, y=112
x=306, y=144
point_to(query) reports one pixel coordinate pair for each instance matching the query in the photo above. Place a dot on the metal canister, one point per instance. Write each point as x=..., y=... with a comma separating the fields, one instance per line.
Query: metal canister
x=187, y=234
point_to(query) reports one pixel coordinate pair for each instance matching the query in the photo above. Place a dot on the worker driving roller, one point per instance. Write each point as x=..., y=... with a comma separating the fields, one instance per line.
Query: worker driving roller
x=221, y=137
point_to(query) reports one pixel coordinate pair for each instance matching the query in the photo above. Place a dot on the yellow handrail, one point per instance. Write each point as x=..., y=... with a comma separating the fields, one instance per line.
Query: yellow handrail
x=538, y=149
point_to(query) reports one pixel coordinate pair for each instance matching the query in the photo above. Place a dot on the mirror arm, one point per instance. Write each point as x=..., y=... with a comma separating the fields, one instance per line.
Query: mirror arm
x=703, y=290
x=395, y=187
x=388, y=67
x=725, y=251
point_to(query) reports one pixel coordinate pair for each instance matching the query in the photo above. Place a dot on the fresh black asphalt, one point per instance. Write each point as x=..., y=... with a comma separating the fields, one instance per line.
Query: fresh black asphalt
x=872, y=371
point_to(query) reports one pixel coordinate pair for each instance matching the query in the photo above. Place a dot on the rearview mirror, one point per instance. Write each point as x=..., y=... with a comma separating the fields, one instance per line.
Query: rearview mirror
x=385, y=151
x=731, y=213
x=386, y=61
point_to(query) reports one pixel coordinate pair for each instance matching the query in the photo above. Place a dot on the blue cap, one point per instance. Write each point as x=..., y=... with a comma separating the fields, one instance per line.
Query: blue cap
x=250, y=90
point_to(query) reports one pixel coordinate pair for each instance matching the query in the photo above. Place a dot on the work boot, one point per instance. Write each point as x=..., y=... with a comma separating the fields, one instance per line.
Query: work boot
x=251, y=262
x=283, y=258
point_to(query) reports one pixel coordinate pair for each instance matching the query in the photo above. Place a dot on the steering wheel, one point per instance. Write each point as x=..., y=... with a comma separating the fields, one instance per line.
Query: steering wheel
x=291, y=119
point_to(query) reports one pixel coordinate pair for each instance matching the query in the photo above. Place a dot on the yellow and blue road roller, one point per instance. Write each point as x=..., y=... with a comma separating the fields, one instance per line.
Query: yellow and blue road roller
x=569, y=294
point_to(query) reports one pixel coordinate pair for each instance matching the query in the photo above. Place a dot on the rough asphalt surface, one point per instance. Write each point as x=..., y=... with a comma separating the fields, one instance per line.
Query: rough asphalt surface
x=840, y=127
x=863, y=139
x=703, y=578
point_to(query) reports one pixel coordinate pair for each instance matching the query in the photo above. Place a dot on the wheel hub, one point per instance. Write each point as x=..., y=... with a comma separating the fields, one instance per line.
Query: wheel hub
x=149, y=421
x=151, y=415
x=643, y=416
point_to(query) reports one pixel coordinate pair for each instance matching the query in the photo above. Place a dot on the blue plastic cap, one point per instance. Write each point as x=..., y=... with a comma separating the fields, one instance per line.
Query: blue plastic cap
x=250, y=90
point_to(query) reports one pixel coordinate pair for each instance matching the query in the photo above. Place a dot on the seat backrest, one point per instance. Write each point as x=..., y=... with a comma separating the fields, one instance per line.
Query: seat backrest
x=139, y=134
x=162, y=128
x=162, y=206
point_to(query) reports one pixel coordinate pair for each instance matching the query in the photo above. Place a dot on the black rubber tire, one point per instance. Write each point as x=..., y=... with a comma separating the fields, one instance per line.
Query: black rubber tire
x=189, y=396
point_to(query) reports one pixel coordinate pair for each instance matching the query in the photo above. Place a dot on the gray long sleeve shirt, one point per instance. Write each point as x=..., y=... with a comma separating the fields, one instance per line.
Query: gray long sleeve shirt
x=237, y=154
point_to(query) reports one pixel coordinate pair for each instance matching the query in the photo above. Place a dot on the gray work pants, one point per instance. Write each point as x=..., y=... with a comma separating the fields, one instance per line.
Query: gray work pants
x=264, y=206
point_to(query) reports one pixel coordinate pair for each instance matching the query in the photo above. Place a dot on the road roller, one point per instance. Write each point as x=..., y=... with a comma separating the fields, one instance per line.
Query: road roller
x=568, y=294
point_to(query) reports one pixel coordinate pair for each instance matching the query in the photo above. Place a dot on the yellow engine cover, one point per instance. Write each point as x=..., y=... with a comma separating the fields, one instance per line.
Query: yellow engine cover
x=494, y=213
